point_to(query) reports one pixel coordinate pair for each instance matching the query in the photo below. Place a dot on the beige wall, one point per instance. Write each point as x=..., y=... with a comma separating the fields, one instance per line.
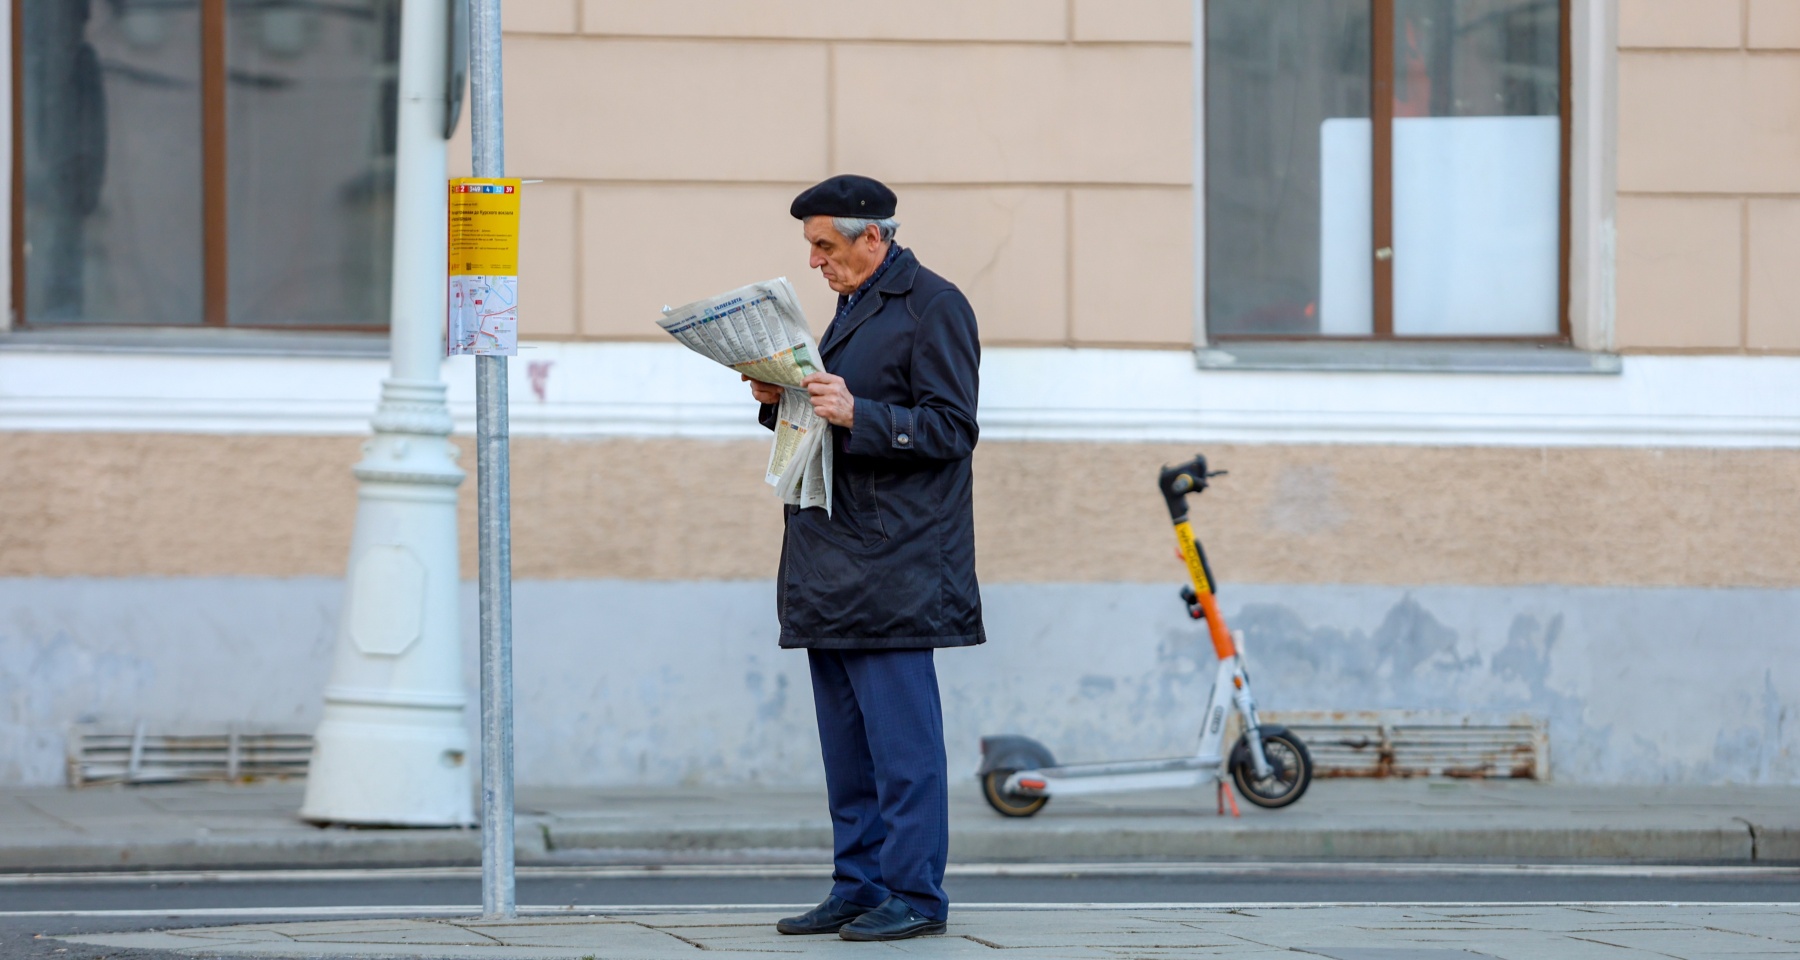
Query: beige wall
x=177, y=505
x=1709, y=175
x=1042, y=150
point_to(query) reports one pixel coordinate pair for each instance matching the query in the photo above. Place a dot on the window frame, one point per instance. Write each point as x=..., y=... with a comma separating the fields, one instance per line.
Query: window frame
x=1583, y=313
x=215, y=193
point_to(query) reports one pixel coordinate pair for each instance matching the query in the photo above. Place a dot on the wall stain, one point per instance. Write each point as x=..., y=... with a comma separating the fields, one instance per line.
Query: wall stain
x=1413, y=660
x=1774, y=734
x=1410, y=638
x=1304, y=501
x=1526, y=656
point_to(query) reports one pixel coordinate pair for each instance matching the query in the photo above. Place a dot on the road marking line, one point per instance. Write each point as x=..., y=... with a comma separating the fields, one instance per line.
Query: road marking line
x=472, y=910
x=814, y=871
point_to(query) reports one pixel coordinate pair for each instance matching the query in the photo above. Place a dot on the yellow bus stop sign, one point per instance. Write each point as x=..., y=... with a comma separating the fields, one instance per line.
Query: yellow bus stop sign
x=483, y=315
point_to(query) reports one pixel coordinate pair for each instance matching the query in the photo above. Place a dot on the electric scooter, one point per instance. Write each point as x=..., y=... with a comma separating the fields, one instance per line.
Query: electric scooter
x=1269, y=765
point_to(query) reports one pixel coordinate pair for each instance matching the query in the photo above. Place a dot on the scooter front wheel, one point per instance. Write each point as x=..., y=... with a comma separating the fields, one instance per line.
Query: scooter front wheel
x=993, y=789
x=1290, y=772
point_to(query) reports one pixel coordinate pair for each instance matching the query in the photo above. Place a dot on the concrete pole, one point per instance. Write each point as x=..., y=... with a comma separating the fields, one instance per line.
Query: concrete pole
x=392, y=747
x=494, y=503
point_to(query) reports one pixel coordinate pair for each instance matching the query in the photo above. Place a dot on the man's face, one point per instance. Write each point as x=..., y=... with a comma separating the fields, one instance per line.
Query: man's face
x=845, y=264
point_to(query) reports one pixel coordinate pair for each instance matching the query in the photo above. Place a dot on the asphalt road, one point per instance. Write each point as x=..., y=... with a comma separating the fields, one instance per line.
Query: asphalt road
x=33, y=906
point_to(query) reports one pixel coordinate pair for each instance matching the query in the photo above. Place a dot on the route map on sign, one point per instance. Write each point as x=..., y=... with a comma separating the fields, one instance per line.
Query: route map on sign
x=483, y=314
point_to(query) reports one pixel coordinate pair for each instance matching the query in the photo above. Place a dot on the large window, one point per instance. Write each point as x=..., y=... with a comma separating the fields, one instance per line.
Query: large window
x=189, y=162
x=1386, y=168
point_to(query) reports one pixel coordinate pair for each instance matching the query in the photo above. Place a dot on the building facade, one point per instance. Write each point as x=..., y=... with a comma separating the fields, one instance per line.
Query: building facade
x=1481, y=303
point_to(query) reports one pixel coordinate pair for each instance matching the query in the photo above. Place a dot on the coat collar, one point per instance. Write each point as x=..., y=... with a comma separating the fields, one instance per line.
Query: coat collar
x=897, y=281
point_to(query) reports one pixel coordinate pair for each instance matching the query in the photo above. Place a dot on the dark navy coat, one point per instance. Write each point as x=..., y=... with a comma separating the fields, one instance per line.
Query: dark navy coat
x=893, y=565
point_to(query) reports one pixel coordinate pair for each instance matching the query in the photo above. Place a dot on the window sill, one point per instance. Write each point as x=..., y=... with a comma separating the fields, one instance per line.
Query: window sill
x=1406, y=358
x=193, y=341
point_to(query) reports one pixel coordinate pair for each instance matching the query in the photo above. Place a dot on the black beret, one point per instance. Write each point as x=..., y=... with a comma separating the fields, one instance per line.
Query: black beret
x=847, y=195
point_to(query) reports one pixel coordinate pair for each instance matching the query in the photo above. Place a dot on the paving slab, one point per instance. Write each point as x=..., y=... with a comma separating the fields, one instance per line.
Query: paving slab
x=1288, y=931
x=246, y=826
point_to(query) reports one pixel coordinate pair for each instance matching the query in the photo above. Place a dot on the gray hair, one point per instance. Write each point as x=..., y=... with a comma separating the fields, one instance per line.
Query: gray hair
x=853, y=227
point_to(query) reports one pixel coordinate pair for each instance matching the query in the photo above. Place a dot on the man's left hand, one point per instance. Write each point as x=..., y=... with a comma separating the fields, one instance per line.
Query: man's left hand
x=831, y=399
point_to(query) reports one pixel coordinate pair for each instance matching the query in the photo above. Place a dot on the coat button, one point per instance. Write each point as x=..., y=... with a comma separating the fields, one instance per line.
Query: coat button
x=903, y=439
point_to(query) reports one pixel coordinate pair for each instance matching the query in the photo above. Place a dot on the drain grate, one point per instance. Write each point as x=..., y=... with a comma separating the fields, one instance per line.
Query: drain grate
x=1395, y=953
x=98, y=756
x=1405, y=743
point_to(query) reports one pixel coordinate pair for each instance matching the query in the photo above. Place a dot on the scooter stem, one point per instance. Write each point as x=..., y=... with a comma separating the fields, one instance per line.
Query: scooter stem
x=1223, y=646
x=1176, y=483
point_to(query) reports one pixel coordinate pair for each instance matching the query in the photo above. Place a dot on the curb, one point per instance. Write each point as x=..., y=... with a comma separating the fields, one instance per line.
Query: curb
x=1776, y=844
x=794, y=836
x=327, y=848
x=1534, y=844
x=1008, y=841
x=1052, y=842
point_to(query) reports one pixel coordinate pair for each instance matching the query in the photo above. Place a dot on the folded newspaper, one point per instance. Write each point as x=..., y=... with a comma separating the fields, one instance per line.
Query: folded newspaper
x=760, y=331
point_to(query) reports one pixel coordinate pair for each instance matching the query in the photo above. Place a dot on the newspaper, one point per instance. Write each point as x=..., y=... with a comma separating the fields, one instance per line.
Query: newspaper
x=760, y=331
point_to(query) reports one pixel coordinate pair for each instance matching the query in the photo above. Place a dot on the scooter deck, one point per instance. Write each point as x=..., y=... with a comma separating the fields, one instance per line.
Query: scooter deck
x=1080, y=778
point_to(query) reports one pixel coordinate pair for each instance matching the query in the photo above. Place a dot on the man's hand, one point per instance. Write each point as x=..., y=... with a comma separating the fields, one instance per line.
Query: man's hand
x=831, y=399
x=764, y=392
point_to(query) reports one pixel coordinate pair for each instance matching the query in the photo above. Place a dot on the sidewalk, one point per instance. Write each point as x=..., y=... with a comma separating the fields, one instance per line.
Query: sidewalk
x=1258, y=932
x=220, y=826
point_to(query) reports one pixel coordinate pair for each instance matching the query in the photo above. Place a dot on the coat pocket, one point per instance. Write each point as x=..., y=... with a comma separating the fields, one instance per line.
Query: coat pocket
x=869, y=520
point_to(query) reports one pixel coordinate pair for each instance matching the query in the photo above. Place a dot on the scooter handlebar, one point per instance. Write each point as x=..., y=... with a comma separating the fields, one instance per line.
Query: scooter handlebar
x=1178, y=481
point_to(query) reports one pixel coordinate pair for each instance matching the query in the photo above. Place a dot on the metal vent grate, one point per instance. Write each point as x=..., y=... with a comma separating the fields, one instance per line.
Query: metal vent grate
x=1404, y=743
x=99, y=756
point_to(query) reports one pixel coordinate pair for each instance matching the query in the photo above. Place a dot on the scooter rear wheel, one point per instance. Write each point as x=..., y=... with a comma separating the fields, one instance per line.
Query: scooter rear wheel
x=1291, y=772
x=993, y=788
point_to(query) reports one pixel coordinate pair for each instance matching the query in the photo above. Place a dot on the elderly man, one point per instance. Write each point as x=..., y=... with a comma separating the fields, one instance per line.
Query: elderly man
x=870, y=590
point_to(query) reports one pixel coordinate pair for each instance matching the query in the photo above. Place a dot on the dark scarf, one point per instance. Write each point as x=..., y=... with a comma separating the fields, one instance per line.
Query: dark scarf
x=847, y=302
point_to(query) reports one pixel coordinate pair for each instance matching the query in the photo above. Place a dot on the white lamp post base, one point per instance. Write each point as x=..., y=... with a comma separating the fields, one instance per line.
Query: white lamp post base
x=392, y=766
x=392, y=748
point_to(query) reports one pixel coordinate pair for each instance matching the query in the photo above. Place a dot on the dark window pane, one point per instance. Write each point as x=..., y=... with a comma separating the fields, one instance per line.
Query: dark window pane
x=1278, y=76
x=310, y=121
x=112, y=161
x=1477, y=167
x=1477, y=58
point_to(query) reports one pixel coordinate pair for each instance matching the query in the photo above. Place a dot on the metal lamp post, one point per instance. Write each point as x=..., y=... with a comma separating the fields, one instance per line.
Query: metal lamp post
x=494, y=504
x=392, y=747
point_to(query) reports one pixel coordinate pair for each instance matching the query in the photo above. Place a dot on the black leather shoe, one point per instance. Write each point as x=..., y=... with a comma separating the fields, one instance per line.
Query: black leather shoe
x=827, y=917
x=893, y=920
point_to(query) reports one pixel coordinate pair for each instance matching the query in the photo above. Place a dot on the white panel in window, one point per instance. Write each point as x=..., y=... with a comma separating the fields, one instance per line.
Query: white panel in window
x=1476, y=227
x=1477, y=233
x=1346, y=229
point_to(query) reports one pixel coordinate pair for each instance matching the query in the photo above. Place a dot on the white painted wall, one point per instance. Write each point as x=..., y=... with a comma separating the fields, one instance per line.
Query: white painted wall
x=663, y=390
